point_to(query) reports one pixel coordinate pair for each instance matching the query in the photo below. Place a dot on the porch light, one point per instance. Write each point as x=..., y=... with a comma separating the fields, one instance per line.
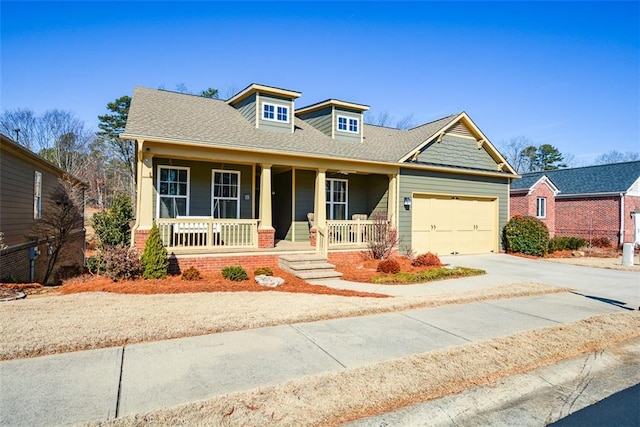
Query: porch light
x=407, y=203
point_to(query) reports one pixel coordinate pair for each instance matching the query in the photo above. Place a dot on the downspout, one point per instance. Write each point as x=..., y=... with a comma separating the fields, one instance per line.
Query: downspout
x=621, y=219
x=33, y=254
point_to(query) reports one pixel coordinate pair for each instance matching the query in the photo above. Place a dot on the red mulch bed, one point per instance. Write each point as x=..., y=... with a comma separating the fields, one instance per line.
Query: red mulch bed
x=593, y=253
x=365, y=270
x=210, y=283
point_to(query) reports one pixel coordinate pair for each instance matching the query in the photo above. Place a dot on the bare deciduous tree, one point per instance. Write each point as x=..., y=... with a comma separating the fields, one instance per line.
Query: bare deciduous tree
x=383, y=239
x=615, y=156
x=385, y=119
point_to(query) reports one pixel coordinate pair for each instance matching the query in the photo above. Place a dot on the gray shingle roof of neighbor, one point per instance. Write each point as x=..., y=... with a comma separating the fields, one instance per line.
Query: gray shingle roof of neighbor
x=610, y=178
x=179, y=117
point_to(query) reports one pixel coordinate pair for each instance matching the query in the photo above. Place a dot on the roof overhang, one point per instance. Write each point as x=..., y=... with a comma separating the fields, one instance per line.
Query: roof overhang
x=501, y=162
x=255, y=87
x=332, y=103
x=585, y=195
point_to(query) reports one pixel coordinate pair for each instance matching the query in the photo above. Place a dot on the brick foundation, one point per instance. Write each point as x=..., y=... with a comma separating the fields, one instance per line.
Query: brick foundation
x=140, y=237
x=266, y=238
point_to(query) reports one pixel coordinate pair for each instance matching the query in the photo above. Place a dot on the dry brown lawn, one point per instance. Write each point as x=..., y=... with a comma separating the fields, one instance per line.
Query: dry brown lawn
x=599, y=262
x=63, y=323
x=335, y=398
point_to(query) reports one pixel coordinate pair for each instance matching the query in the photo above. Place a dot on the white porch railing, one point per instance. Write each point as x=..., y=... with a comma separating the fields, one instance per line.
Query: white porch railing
x=345, y=233
x=208, y=232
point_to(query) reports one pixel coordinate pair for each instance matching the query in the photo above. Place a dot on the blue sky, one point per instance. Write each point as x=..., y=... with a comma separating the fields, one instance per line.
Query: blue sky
x=563, y=73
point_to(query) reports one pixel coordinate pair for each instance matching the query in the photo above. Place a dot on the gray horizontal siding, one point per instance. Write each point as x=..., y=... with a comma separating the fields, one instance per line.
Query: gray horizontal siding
x=320, y=119
x=348, y=136
x=414, y=181
x=271, y=125
x=200, y=177
x=457, y=151
x=305, y=193
x=247, y=107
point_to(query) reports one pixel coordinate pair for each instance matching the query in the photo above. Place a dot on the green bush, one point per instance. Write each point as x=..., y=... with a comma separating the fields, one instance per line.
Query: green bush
x=526, y=235
x=388, y=265
x=235, y=273
x=429, y=275
x=154, y=257
x=566, y=243
x=112, y=226
x=121, y=263
x=264, y=271
x=96, y=264
x=191, y=274
x=426, y=260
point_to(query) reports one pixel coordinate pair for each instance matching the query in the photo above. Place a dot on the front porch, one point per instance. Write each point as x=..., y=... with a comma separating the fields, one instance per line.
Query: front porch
x=229, y=206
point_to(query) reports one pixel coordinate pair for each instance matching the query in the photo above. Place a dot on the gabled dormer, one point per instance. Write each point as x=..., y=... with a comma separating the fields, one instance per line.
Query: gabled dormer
x=337, y=119
x=266, y=107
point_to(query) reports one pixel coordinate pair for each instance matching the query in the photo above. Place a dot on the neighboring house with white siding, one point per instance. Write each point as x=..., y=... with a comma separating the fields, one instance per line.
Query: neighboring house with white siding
x=26, y=180
x=253, y=175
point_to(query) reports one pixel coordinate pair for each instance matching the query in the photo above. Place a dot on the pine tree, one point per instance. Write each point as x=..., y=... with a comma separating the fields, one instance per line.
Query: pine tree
x=154, y=258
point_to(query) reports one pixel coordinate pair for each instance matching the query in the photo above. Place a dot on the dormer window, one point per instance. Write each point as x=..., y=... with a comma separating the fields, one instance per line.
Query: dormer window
x=278, y=113
x=348, y=124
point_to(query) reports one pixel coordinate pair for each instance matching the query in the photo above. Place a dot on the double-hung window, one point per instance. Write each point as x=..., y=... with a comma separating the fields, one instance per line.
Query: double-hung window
x=348, y=124
x=37, y=195
x=541, y=207
x=278, y=113
x=226, y=194
x=173, y=191
x=336, y=192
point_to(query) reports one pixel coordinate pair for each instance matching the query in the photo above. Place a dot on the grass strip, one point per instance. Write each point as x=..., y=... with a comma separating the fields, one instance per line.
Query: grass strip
x=428, y=275
x=338, y=397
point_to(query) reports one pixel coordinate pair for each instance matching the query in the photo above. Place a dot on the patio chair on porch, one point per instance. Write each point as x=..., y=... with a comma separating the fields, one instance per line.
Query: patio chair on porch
x=310, y=217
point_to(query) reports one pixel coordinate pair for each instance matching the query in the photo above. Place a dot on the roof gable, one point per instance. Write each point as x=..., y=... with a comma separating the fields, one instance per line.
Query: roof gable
x=599, y=179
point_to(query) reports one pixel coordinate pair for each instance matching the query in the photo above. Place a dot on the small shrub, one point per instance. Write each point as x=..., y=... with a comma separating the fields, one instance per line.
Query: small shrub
x=601, y=242
x=112, y=225
x=154, y=258
x=266, y=271
x=191, y=274
x=526, y=235
x=428, y=275
x=426, y=260
x=121, y=263
x=96, y=264
x=566, y=243
x=388, y=265
x=382, y=239
x=235, y=273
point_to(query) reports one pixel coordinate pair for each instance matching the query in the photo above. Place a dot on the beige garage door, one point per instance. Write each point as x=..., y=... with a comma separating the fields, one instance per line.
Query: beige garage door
x=447, y=225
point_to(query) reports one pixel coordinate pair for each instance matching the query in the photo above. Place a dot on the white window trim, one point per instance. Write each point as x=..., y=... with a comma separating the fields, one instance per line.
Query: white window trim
x=275, y=112
x=158, y=195
x=213, y=183
x=330, y=203
x=541, y=201
x=37, y=195
x=347, y=118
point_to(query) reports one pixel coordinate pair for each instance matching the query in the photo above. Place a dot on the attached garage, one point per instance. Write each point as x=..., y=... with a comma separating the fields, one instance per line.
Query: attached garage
x=452, y=225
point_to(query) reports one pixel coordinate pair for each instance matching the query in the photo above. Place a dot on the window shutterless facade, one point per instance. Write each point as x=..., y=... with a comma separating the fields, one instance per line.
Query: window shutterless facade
x=225, y=201
x=541, y=207
x=173, y=191
x=278, y=113
x=37, y=195
x=348, y=124
x=337, y=196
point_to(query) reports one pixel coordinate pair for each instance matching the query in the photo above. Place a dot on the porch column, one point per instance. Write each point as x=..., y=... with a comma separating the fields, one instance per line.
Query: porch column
x=392, y=201
x=144, y=202
x=266, y=232
x=319, y=205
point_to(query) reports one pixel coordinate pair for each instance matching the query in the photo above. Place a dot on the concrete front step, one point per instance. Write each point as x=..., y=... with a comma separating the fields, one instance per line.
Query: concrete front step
x=308, y=266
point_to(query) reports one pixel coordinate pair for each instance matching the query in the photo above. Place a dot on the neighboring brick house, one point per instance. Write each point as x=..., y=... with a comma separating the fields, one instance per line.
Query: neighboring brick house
x=587, y=202
x=26, y=181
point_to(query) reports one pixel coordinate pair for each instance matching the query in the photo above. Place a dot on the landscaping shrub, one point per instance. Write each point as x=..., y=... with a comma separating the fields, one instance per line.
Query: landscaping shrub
x=566, y=243
x=191, y=274
x=235, y=273
x=154, y=257
x=266, y=271
x=96, y=264
x=388, y=265
x=121, y=263
x=428, y=275
x=601, y=242
x=382, y=239
x=426, y=260
x=526, y=235
x=112, y=225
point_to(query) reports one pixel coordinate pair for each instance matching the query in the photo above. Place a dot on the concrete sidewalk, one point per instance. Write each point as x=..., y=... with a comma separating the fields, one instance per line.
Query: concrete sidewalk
x=103, y=384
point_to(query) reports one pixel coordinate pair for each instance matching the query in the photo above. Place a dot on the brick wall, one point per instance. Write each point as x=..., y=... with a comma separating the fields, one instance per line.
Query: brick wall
x=519, y=205
x=589, y=217
x=631, y=203
x=526, y=204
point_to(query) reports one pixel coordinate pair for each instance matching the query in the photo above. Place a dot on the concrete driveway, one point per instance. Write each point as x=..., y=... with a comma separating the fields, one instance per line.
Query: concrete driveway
x=617, y=287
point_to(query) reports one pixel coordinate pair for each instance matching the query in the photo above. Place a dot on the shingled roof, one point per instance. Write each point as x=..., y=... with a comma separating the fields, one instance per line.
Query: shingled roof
x=171, y=116
x=610, y=178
